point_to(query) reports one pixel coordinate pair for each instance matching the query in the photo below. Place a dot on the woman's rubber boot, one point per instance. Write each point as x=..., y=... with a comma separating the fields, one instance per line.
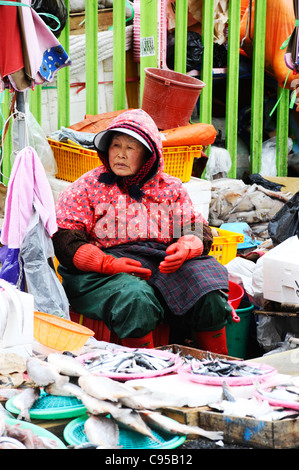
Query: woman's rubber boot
x=144, y=342
x=213, y=341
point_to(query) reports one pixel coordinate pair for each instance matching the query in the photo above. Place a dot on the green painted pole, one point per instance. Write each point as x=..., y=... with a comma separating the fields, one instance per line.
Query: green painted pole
x=119, y=55
x=257, y=93
x=148, y=38
x=63, y=80
x=205, y=114
x=7, y=142
x=35, y=103
x=91, y=56
x=232, y=85
x=181, y=22
x=282, y=133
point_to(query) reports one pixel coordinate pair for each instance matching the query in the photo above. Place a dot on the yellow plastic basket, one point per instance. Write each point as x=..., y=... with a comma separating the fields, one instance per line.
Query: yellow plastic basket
x=224, y=247
x=73, y=161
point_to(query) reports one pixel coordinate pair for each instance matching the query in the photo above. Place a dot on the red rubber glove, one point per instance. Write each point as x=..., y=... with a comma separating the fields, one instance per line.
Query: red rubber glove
x=90, y=258
x=187, y=247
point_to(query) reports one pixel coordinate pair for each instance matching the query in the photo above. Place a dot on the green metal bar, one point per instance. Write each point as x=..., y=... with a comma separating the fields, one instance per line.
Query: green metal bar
x=148, y=38
x=63, y=80
x=7, y=142
x=119, y=54
x=35, y=103
x=205, y=114
x=91, y=56
x=282, y=133
x=181, y=22
x=258, y=71
x=232, y=84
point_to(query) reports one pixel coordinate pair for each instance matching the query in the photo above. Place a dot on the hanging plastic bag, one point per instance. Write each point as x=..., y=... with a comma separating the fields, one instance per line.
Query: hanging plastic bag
x=285, y=223
x=41, y=279
x=11, y=266
x=47, y=9
x=36, y=138
x=219, y=163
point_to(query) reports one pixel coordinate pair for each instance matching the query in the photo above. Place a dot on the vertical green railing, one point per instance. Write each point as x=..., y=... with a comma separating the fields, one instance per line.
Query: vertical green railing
x=148, y=32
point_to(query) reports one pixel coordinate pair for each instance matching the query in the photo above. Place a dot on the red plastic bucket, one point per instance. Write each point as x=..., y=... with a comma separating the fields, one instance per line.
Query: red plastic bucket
x=170, y=97
x=235, y=295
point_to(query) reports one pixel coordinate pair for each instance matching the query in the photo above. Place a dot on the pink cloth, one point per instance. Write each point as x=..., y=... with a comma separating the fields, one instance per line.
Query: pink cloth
x=28, y=188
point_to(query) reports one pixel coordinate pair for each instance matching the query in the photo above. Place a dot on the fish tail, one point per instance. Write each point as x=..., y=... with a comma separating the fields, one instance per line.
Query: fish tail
x=24, y=416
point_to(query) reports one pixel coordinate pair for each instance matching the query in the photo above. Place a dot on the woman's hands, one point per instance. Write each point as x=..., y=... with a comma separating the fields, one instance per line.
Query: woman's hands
x=187, y=247
x=90, y=258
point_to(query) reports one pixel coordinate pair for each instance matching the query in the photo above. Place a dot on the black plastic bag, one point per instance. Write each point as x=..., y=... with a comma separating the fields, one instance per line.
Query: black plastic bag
x=53, y=7
x=285, y=223
x=194, y=50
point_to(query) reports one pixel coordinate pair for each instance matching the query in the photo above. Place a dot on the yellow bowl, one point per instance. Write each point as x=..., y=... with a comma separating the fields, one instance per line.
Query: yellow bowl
x=59, y=333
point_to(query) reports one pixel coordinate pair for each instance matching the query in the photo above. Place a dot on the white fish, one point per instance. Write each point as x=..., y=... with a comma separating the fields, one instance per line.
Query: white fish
x=102, y=407
x=164, y=423
x=104, y=388
x=42, y=373
x=66, y=390
x=10, y=443
x=24, y=402
x=67, y=365
x=134, y=422
x=102, y=432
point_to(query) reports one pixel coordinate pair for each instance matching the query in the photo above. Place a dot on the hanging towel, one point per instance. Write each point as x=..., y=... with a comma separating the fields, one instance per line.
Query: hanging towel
x=28, y=189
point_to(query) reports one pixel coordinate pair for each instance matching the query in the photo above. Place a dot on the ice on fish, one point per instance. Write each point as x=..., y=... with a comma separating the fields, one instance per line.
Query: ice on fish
x=102, y=431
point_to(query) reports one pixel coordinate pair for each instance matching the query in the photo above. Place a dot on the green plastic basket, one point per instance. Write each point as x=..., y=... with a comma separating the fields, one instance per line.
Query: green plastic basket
x=51, y=407
x=74, y=435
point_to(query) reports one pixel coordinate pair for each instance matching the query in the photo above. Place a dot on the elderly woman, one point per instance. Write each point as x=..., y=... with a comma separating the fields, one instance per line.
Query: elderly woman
x=131, y=248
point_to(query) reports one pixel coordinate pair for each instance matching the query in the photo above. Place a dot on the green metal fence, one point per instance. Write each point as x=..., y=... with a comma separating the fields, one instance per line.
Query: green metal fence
x=149, y=11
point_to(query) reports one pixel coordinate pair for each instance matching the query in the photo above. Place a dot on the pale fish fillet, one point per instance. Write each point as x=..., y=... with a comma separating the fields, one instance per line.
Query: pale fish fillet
x=134, y=422
x=164, y=423
x=25, y=400
x=42, y=373
x=104, y=388
x=96, y=406
x=102, y=432
x=67, y=365
x=66, y=390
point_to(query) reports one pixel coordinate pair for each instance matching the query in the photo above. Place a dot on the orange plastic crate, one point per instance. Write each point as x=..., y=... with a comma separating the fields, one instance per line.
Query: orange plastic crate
x=73, y=161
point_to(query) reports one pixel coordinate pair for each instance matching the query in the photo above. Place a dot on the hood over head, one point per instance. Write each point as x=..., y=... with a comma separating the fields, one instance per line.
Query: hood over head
x=138, y=123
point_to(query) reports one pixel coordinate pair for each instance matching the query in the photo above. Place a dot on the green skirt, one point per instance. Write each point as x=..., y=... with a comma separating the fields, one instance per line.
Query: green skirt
x=131, y=308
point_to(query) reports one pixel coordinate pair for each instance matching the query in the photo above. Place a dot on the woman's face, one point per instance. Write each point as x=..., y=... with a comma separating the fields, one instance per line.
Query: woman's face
x=126, y=155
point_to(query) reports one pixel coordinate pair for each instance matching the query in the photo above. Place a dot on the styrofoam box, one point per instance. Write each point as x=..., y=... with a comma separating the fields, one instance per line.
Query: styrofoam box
x=281, y=272
x=200, y=194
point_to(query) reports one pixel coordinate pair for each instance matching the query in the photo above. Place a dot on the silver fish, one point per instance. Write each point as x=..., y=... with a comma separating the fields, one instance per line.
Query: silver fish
x=66, y=390
x=104, y=388
x=24, y=402
x=226, y=392
x=42, y=373
x=102, y=431
x=67, y=365
x=164, y=423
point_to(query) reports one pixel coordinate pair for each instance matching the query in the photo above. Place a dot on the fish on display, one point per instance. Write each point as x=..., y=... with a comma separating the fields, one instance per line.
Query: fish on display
x=98, y=407
x=102, y=431
x=128, y=362
x=104, y=387
x=66, y=390
x=164, y=423
x=134, y=422
x=10, y=443
x=67, y=365
x=42, y=373
x=223, y=368
x=24, y=402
